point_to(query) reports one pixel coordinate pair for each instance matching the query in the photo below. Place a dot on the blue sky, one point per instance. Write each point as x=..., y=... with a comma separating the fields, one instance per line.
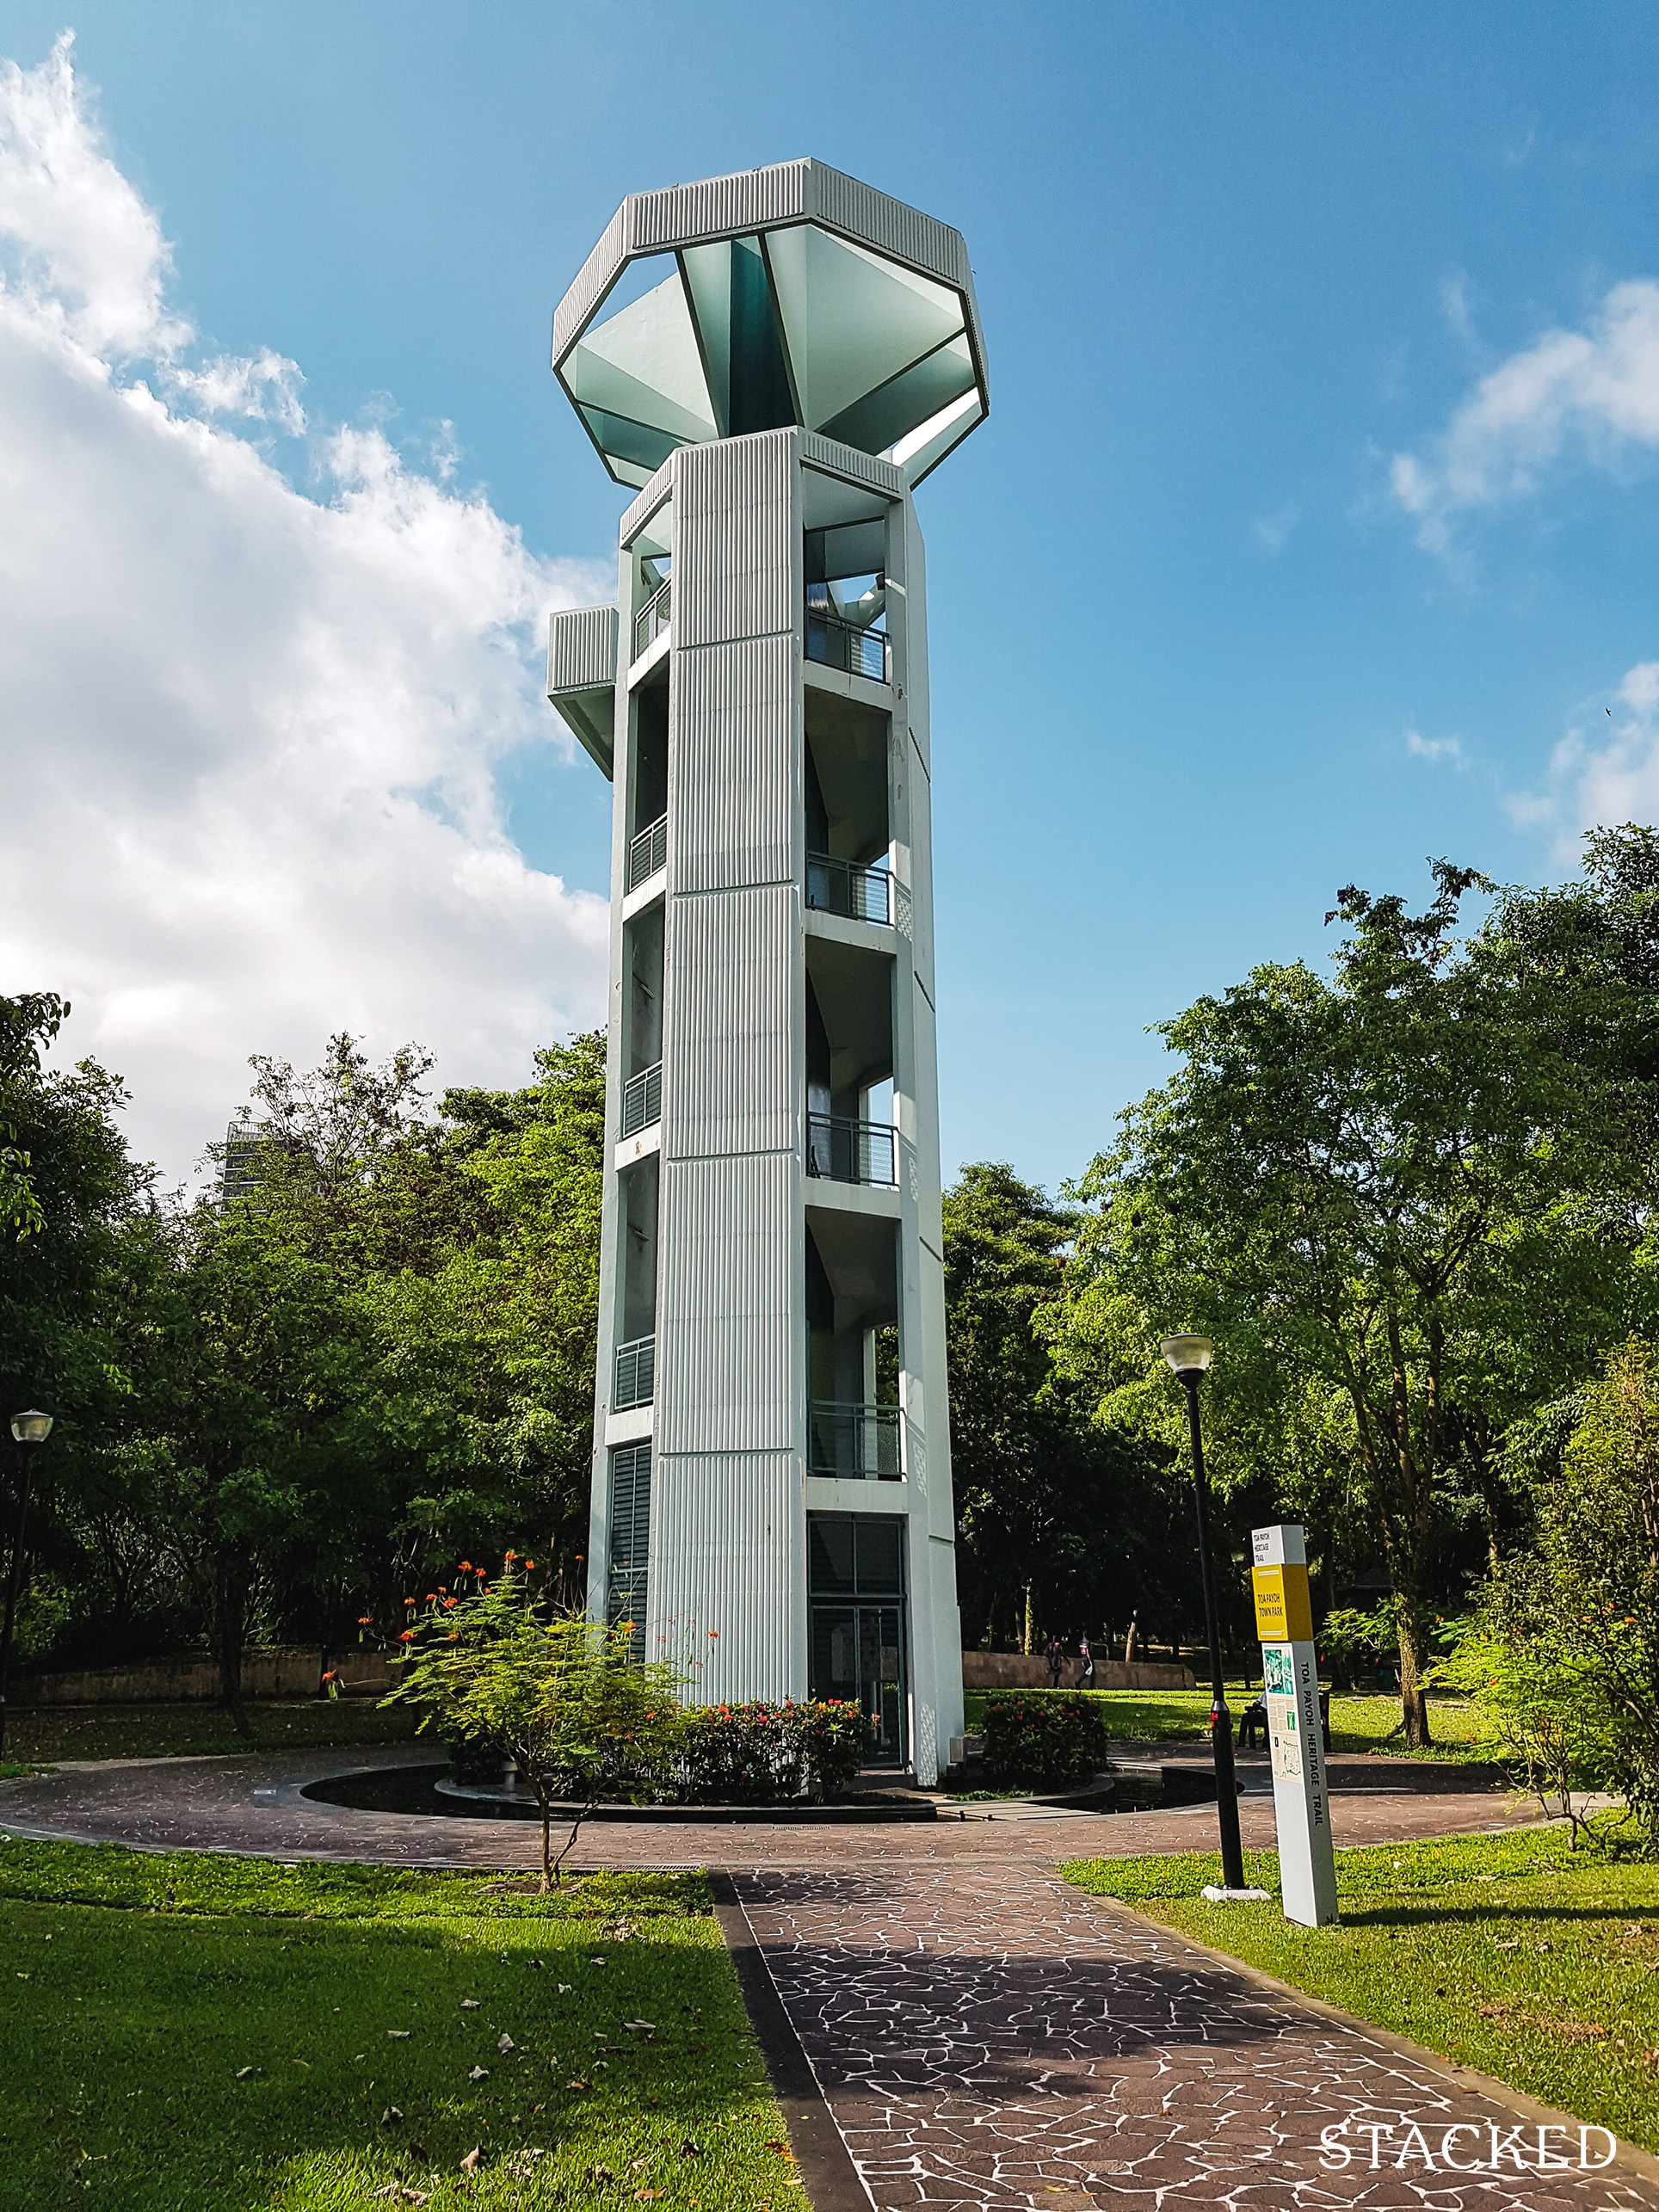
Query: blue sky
x=1312, y=531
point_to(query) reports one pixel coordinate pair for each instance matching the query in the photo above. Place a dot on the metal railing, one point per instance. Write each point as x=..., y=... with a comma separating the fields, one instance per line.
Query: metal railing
x=642, y=1101
x=841, y=644
x=636, y=1375
x=647, y=853
x=652, y=618
x=838, y=887
x=860, y=1442
x=846, y=1151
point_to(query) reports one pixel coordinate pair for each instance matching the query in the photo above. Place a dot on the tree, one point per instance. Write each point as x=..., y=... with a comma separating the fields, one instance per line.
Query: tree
x=1383, y=1193
x=582, y=1719
x=1058, y=1518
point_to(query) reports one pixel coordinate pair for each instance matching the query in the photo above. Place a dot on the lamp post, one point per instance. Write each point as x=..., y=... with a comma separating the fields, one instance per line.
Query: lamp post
x=30, y=1431
x=1189, y=1356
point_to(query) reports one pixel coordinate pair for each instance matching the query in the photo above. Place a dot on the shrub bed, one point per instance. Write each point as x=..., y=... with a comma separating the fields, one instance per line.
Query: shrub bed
x=1049, y=1739
x=766, y=1754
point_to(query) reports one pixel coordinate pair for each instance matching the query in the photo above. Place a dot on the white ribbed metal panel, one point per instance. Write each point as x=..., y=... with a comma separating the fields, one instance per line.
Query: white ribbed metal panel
x=847, y=461
x=870, y=216
x=729, y=1073
x=718, y=206
x=593, y=280
x=650, y=497
x=721, y=1554
x=734, y=559
x=733, y=751
x=724, y=1328
x=581, y=650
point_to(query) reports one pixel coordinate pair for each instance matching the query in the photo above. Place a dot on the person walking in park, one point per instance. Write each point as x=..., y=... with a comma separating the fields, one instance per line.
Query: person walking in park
x=1056, y=1661
x=1085, y=1672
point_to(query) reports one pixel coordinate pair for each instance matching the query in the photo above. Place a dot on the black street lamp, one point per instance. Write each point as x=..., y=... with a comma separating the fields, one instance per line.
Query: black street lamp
x=30, y=1431
x=1189, y=1356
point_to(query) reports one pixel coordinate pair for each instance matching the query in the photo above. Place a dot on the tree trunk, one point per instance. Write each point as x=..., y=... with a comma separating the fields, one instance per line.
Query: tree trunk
x=1025, y=1640
x=1129, y=1641
x=230, y=1626
x=1413, y=1698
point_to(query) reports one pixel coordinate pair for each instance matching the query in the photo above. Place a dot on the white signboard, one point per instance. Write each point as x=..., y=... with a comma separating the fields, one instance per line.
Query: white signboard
x=1290, y=1671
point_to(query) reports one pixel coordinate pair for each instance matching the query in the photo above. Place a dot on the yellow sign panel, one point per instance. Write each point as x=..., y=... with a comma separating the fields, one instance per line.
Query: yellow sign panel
x=1284, y=1610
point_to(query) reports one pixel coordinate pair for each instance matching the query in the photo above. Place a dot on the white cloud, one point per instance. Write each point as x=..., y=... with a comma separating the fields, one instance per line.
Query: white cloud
x=250, y=737
x=1434, y=748
x=1605, y=769
x=1271, y=530
x=1594, y=391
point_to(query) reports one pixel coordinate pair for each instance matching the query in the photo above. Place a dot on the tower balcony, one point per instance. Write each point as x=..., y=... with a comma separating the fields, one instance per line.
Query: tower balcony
x=834, y=643
x=841, y=887
x=648, y=854
x=842, y=1150
x=653, y=618
x=635, y=1381
x=856, y=1441
x=642, y=1101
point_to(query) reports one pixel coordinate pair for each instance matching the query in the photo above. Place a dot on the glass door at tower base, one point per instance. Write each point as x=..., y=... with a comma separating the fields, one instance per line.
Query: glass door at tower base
x=858, y=1655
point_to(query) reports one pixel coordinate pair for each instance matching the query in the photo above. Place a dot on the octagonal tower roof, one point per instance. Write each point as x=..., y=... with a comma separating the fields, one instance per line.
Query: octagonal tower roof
x=790, y=295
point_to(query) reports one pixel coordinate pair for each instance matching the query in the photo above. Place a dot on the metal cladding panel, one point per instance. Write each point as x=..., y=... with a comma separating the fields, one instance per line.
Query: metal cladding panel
x=725, y=1336
x=640, y=510
x=846, y=461
x=723, y=1558
x=718, y=207
x=889, y=225
x=581, y=650
x=733, y=753
x=592, y=280
x=734, y=564
x=729, y=1075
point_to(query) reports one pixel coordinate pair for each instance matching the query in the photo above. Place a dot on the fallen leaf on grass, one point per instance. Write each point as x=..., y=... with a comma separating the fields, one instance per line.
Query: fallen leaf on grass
x=691, y=2149
x=392, y=2117
x=782, y=2147
x=505, y=2045
x=1511, y=1943
x=400, y=2034
x=565, y=1988
x=473, y=2159
x=601, y=2174
x=645, y=2196
x=578, y=2084
x=644, y=2029
x=479, y=2074
x=469, y=2004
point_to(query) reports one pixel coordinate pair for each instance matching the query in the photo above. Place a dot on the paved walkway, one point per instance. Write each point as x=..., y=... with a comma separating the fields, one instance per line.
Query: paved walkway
x=988, y=2038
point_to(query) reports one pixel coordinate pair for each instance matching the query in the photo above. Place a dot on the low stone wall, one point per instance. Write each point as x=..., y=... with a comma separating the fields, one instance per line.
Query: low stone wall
x=1012, y=1670
x=288, y=1671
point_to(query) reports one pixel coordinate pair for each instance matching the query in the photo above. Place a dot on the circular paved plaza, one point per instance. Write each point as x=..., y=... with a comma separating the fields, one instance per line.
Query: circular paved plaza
x=986, y=2038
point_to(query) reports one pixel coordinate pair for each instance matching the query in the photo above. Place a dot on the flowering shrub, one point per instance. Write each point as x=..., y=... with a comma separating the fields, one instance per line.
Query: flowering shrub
x=765, y=1755
x=1050, y=1738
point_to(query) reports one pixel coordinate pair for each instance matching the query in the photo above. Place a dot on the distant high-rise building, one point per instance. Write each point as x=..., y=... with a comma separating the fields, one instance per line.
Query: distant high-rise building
x=773, y=360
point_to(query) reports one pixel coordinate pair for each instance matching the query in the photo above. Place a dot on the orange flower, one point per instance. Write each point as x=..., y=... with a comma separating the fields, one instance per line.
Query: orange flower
x=715, y=1632
x=409, y=1601
x=450, y=1604
x=407, y=1637
x=365, y=1620
x=333, y=1675
x=466, y=1567
x=531, y=1565
x=511, y=1557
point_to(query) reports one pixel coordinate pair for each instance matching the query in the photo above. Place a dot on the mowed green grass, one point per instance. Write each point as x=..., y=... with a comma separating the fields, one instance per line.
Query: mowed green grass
x=41, y=1734
x=187, y=2032
x=1357, y=1724
x=1509, y=1953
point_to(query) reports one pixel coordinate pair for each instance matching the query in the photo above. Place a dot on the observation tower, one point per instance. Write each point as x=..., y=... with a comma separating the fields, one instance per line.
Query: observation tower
x=773, y=361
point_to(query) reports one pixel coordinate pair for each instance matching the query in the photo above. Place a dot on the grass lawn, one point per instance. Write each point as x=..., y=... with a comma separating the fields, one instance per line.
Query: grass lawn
x=205, y=2034
x=38, y=1734
x=1357, y=1724
x=1510, y=1953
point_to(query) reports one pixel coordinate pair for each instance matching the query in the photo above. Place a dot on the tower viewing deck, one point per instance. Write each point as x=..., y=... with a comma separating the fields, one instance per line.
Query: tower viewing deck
x=773, y=361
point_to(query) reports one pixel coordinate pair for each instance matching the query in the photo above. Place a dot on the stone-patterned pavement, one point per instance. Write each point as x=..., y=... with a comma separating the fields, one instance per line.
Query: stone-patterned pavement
x=988, y=2038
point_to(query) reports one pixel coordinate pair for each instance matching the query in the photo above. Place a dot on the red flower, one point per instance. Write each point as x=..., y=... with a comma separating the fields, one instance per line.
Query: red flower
x=466, y=1567
x=365, y=1620
x=530, y=1565
x=333, y=1675
x=408, y=1637
x=409, y=1601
